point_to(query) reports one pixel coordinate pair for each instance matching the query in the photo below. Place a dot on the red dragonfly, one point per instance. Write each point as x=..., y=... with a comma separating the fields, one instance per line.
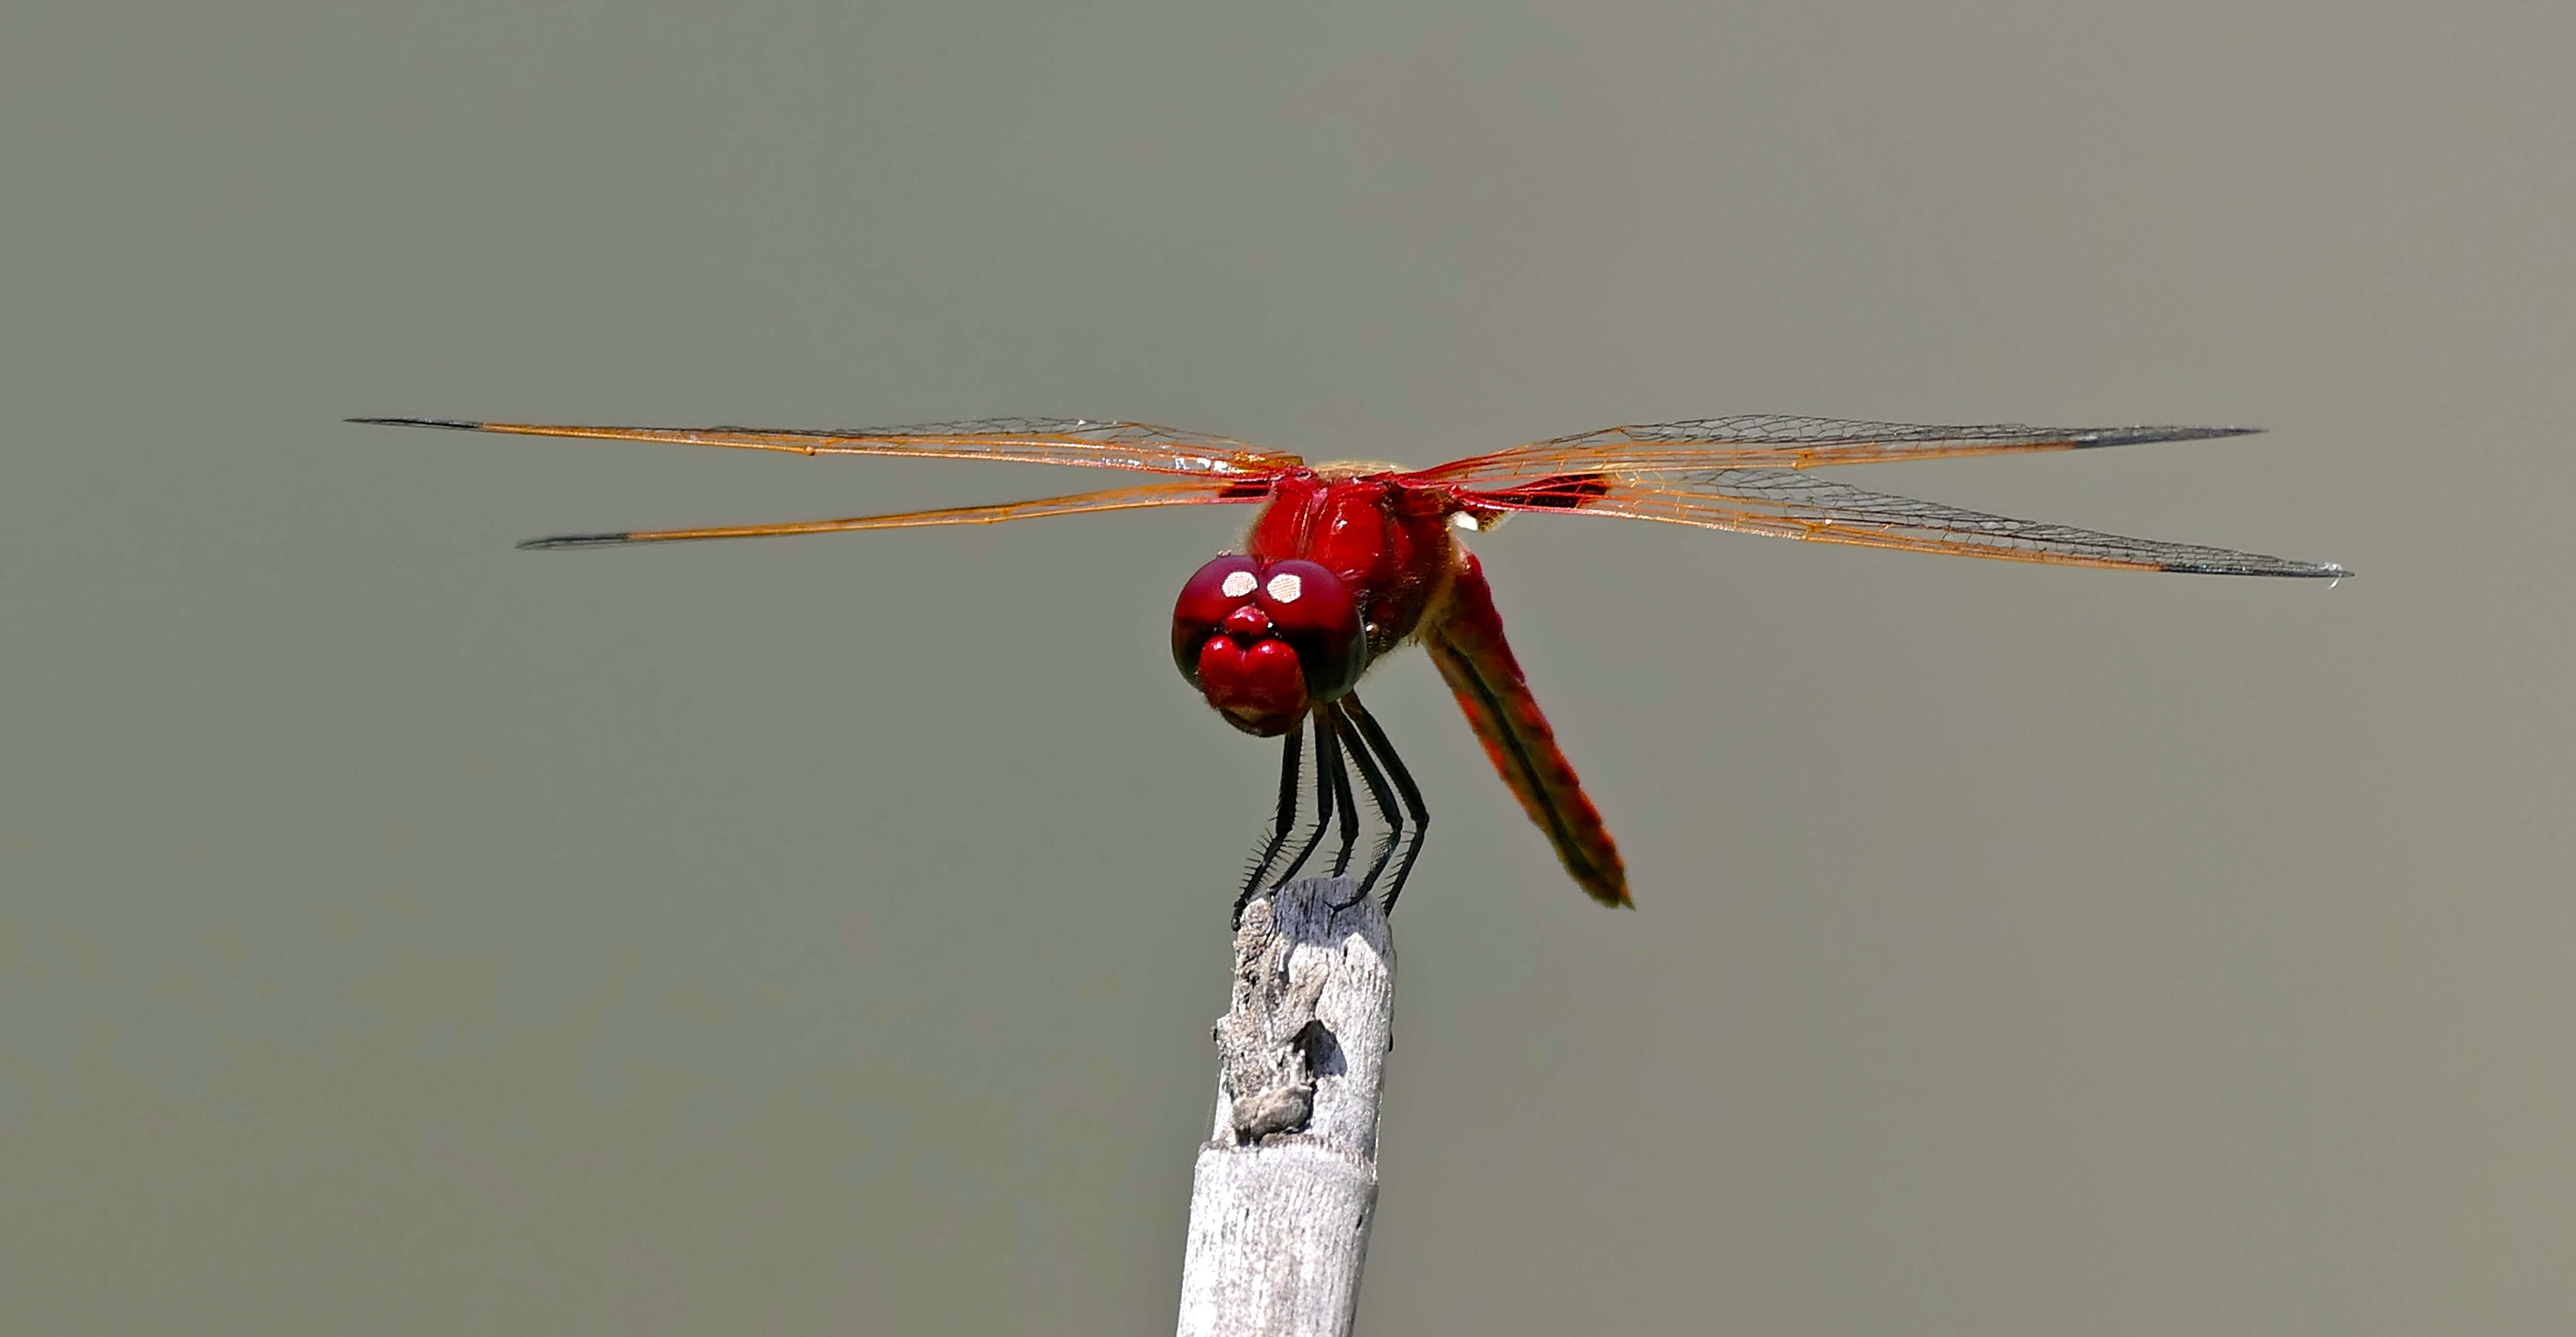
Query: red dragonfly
x=1347, y=561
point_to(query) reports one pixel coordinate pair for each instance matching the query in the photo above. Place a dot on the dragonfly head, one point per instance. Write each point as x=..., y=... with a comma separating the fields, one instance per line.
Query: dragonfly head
x=1264, y=641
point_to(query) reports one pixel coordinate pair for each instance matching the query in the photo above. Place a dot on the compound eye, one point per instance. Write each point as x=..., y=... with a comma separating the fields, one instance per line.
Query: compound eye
x=1313, y=610
x=1219, y=588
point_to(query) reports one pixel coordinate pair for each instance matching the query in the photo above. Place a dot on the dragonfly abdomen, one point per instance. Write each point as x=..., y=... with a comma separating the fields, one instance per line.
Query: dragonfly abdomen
x=1466, y=641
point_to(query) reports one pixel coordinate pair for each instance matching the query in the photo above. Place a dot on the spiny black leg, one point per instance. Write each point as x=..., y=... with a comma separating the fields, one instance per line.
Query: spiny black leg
x=1328, y=768
x=1287, y=820
x=1404, y=785
x=1380, y=797
x=1345, y=800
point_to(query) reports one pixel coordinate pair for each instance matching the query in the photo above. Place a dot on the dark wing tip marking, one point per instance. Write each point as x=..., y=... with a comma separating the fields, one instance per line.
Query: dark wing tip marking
x=554, y=541
x=2133, y=436
x=451, y=424
x=2285, y=568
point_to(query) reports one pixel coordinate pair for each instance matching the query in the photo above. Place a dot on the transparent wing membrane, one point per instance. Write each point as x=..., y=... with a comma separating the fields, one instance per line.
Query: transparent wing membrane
x=1742, y=473
x=1773, y=441
x=1791, y=504
x=1115, y=499
x=1142, y=447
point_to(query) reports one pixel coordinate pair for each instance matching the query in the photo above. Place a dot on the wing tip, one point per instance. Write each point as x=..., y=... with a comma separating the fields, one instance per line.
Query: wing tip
x=2285, y=569
x=2135, y=436
x=554, y=541
x=450, y=424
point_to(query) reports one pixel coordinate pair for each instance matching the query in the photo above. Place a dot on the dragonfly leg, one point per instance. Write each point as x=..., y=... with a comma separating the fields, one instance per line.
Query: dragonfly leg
x=1345, y=801
x=1381, y=798
x=1413, y=805
x=1328, y=774
x=1283, y=825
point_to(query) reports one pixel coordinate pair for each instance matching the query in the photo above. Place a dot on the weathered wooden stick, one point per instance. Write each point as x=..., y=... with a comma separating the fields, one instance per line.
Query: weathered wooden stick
x=1280, y=1210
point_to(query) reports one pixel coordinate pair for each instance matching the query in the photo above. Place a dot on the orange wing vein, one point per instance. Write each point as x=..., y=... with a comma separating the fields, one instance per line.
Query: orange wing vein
x=1791, y=504
x=1115, y=499
x=1141, y=447
x=1773, y=441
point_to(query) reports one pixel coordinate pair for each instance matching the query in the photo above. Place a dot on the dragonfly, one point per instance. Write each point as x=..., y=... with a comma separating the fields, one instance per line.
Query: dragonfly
x=1350, y=560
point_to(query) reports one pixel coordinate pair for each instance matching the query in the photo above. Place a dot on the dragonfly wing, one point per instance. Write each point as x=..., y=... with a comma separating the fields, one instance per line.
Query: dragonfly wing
x=1791, y=504
x=1142, y=447
x=1115, y=499
x=1773, y=441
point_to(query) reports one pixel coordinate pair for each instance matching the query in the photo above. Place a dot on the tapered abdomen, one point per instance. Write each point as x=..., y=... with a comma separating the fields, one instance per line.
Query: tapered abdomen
x=1466, y=641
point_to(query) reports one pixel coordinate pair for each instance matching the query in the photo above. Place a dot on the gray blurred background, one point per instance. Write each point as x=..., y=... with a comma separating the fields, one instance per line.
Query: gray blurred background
x=401, y=933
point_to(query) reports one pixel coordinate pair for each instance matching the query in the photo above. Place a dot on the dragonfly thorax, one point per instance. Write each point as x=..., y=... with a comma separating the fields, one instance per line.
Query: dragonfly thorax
x=1266, y=641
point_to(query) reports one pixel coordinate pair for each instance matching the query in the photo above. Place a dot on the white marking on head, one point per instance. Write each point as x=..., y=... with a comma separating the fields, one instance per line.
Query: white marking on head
x=1238, y=584
x=1286, y=588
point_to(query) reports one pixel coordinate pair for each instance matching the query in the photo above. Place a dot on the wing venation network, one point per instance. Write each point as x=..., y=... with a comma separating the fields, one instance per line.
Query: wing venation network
x=1792, y=504
x=1085, y=442
x=1776, y=441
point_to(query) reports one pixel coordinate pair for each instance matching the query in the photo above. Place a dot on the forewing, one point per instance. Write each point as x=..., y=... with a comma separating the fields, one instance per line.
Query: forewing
x=1142, y=447
x=1799, y=505
x=1772, y=441
x=1115, y=499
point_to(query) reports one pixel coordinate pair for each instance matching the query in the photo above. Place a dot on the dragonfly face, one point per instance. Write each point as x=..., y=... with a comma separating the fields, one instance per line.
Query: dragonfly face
x=1266, y=641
